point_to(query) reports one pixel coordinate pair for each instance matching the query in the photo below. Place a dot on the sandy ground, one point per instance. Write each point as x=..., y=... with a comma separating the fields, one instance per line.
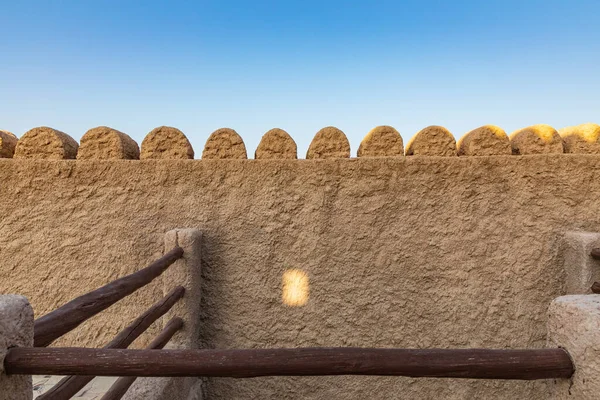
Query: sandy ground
x=92, y=391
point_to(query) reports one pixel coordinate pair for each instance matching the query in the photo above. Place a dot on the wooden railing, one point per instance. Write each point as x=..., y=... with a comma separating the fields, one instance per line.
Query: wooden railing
x=66, y=318
x=69, y=386
x=439, y=363
x=120, y=387
x=81, y=365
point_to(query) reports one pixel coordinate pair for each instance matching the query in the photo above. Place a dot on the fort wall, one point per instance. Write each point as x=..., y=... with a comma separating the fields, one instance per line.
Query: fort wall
x=406, y=251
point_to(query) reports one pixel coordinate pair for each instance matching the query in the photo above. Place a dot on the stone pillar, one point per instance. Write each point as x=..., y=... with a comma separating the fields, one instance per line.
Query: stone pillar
x=185, y=272
x=16, y=330
x=574, y=324
x=580, y=268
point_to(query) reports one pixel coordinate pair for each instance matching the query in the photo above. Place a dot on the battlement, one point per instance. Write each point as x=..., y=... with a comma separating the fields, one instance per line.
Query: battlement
x=104, y=143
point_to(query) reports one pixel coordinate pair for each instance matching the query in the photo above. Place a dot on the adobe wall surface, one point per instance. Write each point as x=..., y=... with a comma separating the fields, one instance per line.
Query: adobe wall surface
x=414, y=252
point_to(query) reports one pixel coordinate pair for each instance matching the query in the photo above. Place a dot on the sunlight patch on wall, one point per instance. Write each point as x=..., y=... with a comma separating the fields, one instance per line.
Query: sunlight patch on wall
x=295, y=288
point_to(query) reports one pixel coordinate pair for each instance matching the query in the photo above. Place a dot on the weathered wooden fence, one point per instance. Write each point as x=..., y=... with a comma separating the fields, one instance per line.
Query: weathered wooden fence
x=68, y=317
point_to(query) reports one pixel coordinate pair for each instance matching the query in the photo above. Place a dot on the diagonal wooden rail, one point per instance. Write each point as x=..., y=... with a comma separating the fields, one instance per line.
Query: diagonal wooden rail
x=121, y=385
x=66, y=318
x=440, y=363
x=70, y=385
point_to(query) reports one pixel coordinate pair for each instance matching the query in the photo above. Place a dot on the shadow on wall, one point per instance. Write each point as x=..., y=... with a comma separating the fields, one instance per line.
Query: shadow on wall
x=104, y=143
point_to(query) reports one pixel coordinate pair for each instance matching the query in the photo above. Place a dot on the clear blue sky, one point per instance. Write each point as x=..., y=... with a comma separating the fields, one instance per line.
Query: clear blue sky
x=297, y=65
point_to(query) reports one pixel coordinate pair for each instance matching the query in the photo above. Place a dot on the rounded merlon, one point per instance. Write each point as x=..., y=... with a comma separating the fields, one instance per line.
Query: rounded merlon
x=276, y=144
x=583, y=139
x=225, y=143
x=432, y=141
x=104, y=143
x=46, y=143
x=329, y=142
x=166, y=142
x=487, y=140
x=536, y=139
x=8, y=142
x=381, y=141
x=9, y=134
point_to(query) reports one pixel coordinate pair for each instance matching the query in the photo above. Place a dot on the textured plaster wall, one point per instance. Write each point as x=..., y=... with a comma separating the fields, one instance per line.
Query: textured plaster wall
x=401, y=252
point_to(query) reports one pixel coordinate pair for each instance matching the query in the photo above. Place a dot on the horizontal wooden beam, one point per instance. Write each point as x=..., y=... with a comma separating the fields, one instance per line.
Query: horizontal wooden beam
x=596, y=253
x=68, y=317
x=121, y=385
x=68, y=386
x=441, y=363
